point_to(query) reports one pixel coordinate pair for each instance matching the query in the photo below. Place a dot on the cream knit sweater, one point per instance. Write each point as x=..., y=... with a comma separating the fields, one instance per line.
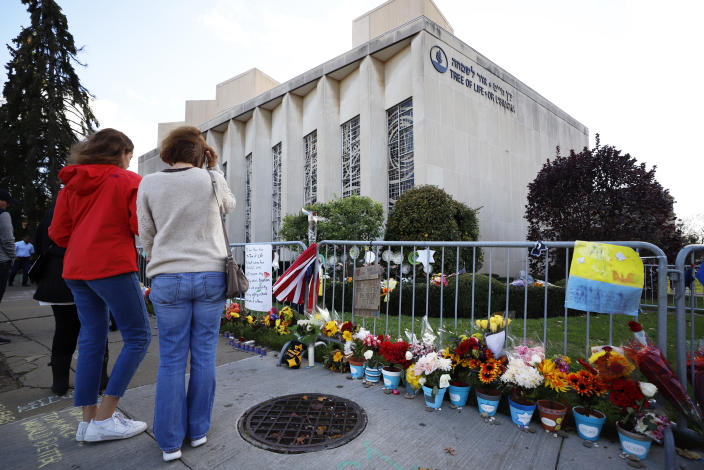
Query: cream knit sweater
x=179, y=221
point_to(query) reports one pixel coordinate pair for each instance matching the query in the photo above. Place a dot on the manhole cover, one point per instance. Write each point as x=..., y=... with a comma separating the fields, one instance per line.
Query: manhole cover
x=305, y=422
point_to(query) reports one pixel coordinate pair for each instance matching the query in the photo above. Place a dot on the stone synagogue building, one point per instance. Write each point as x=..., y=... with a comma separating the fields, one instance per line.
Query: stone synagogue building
x=410, y=104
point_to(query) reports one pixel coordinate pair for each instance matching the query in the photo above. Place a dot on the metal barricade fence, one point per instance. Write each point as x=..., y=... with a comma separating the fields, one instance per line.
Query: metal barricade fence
x=285, y=254
x=341, y=258
x=686, y=304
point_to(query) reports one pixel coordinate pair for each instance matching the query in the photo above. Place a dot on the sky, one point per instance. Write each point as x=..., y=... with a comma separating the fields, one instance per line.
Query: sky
x=630, y=70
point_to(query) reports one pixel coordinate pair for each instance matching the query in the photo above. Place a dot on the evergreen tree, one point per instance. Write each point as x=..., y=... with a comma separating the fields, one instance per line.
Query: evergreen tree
x=46, y=108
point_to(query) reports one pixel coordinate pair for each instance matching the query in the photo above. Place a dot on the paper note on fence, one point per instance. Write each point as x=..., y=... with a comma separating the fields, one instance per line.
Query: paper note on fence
x=604, y=279
x=257, y=268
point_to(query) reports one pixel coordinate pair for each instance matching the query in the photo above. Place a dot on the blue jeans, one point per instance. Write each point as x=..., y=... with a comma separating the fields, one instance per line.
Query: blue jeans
x=122, y=296
x=188, y=309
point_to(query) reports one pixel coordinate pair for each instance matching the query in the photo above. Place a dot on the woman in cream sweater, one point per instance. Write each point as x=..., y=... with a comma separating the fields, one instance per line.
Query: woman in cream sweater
x=180, y=230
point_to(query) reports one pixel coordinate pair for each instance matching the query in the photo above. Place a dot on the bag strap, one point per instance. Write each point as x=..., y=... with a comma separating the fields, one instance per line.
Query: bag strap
x=222, y=216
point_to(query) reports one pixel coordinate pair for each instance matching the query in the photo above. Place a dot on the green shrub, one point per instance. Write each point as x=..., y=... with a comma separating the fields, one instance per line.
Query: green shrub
x=427, y=213
x=516, y=295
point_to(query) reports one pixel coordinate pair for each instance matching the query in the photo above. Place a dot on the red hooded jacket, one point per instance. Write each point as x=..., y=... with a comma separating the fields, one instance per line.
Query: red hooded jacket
x=95, y=219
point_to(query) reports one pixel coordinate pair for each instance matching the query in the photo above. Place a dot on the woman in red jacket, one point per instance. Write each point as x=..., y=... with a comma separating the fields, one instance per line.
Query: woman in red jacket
x=96, y=220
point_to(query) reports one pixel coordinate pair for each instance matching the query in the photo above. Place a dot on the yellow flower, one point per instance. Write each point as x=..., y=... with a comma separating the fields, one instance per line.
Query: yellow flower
x=338, y=356
x=595, y=357
x=484, y=324
x=250, y=320
x=347, y=336
x=412, y=378
x=235, y=315
x=330, y=328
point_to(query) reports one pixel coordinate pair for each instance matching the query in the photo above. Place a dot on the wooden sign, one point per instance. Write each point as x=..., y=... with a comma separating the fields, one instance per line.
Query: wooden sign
x=367, y=290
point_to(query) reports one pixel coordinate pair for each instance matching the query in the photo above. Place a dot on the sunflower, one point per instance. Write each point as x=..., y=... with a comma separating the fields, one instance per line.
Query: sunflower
x=489, y=371
x=473, y=363
x=618, y=365
x=554, y=378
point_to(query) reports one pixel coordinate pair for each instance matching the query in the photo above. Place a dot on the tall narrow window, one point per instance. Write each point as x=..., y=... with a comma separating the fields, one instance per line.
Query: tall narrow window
x=248, y=200
x=310, y=168
x=275, y=191
x=350, y=158
x=400, y=144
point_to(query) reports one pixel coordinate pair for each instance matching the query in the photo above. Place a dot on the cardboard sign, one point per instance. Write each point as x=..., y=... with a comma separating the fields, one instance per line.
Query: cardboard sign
x=367, y=288
x=257, y=268
x=605, y=279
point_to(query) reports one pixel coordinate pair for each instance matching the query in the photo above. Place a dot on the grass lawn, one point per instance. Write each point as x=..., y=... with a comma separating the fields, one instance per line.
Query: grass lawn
x=576, y=329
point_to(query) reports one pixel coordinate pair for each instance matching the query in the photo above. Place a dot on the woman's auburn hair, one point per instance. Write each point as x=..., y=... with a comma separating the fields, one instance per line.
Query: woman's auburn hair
x=106, y=146
x=184, y=144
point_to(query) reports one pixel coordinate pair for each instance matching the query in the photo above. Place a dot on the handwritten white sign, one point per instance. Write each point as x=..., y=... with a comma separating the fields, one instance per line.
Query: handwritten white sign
x=257, y=268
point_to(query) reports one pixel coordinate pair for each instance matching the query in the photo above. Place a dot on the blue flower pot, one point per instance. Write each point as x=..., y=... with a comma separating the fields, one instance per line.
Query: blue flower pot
x=392, y=377
x=410, y=390
x=488, y=403
x=588, y=427
x=372, y=375
x=458, y=395
x=521, y=414
x=634, y=443
x=433, y=402
x=356, y=370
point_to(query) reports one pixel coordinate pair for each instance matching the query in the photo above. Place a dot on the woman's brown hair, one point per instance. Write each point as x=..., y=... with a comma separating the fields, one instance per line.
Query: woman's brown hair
x=184, y=144
x=107, y=146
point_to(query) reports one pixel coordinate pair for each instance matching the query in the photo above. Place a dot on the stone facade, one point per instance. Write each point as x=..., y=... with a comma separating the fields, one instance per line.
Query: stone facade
x=477, y=131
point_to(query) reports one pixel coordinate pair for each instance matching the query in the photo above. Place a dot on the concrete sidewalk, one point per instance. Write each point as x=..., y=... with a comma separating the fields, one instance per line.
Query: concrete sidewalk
x=399, y=434
x=25, y=376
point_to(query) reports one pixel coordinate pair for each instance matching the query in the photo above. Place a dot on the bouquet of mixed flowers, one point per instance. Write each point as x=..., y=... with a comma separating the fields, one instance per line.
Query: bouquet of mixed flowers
x=232, y=312
x=432, y=371
x=334, y=359
x=523, y=378
x=354, y=346
x=588, y=386
x=494, y=330
x=396, y=354
x=555, y=372
x=370, y=349
x=310, y=328
x=653, y=365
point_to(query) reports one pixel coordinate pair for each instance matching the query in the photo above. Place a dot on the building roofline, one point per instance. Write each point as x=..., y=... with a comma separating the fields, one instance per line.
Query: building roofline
x=374, y=45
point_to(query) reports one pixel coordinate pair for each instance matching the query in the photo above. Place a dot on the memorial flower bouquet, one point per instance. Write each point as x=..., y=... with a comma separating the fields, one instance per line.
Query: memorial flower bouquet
x=310, y=328
x=494, y=331
x=370, y=349
x=523, y=379
x=432, y=371
x=354, y=345
x=588, y=386
x=395, y=354
x=555, y=372
x=653, y=365
x=334, y=358
x=285, y=319
x=232, y=312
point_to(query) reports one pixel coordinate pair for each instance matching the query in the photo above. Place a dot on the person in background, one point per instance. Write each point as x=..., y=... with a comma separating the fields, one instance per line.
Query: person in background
x=53, y=291
x=7, y=243
x=182, y=236
x=95, y=219
x=24, y=251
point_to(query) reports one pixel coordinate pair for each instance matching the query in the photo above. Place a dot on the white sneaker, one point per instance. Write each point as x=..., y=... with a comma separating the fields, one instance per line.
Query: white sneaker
x=199, y=442
x=115, y=427
x=81, y=431
x=169, y=456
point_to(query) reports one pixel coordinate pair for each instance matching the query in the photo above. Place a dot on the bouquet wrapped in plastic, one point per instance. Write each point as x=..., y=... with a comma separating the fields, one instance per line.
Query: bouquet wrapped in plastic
x=653, y=365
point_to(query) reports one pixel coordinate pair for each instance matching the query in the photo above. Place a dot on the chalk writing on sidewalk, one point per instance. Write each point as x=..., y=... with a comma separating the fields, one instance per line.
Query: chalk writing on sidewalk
x=45, y=432
x=33, y=405
x=6, y=415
